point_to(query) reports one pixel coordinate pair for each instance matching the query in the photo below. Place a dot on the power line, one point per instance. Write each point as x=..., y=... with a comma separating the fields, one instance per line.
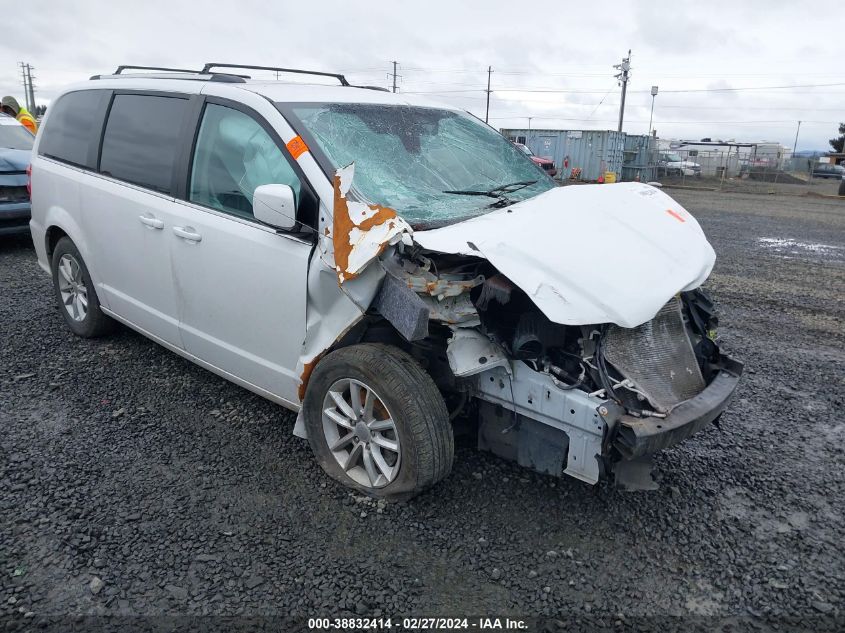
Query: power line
x=723, y=122
x=756, y=88
x=678, y=91
x=598, y=105
x=580, y=73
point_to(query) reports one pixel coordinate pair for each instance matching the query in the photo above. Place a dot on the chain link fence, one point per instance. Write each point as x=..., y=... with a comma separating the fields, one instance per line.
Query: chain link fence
x=736, y=171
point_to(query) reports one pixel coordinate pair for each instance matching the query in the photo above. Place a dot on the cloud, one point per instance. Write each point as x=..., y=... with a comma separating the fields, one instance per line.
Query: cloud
x=445, y=46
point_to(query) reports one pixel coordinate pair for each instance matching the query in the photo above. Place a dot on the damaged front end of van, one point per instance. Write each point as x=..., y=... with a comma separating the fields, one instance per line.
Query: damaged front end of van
x=570, y=328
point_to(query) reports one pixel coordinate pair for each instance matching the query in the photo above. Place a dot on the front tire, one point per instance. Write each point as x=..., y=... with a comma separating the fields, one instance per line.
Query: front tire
x=377, y=422
x=78, y=301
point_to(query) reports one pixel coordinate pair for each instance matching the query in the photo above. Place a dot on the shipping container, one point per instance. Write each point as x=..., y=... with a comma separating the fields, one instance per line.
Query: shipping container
x=640, y=161
x=593, y=152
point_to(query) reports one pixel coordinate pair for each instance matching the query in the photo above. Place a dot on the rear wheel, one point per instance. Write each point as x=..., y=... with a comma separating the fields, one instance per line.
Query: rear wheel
x=377, y=423
x=75, y=292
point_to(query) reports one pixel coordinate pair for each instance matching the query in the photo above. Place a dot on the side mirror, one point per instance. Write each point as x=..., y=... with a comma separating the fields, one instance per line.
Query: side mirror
x=275, y=205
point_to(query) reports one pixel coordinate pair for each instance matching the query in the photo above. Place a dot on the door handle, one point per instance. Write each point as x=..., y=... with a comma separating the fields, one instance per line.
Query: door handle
x=187, y=233
x=148, y=219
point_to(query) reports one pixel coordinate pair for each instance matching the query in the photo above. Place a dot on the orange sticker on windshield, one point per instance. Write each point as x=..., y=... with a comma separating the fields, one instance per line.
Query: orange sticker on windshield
x=675, y=215
x=297, y=147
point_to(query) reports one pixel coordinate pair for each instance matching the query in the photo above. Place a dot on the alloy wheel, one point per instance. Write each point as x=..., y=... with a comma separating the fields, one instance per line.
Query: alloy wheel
x=361, y=434
x=72, y=287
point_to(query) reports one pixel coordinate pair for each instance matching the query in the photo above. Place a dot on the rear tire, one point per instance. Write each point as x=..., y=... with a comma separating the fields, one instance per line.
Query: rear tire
x=394, y=439
x=75, y=293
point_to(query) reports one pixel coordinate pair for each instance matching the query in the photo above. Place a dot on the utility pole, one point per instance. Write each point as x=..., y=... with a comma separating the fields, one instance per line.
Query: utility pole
x=394, y=75
x=487, y=111
x=795, y=145
x=31, y=99
x=651, y=116
x=528, y=138
x=25, y=84
x=28, y=88
x=624, y=70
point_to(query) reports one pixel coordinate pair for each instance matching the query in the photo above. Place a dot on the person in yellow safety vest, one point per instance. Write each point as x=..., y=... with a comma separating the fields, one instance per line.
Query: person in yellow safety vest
x=10, y=106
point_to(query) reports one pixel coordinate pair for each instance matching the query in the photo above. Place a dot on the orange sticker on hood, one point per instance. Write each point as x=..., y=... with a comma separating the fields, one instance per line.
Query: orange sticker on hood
x=675, y=215
x=297, y=147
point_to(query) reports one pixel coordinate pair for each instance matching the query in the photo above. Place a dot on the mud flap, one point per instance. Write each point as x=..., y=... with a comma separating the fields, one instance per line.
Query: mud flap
x=635, y=474
x=299, y=426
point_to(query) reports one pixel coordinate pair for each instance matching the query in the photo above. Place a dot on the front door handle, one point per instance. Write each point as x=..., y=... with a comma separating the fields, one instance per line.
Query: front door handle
x=187, y=233
x=148, y=219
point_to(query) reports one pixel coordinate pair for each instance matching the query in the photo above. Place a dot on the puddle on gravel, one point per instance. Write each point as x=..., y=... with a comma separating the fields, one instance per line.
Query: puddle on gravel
x=736, y=504
x=787, y=247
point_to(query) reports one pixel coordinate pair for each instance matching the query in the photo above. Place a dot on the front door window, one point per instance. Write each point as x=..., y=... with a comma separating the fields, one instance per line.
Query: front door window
x=235, y=155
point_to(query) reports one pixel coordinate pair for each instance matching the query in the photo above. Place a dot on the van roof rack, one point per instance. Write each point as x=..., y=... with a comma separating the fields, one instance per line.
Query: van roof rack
x=343, y=82
x=379, y=88
x=120, y=69
x=226, y=77
x=221, y=77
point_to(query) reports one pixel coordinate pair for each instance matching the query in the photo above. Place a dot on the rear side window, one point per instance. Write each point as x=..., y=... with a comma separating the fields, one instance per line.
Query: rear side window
x=141, y=139
x=72, y=132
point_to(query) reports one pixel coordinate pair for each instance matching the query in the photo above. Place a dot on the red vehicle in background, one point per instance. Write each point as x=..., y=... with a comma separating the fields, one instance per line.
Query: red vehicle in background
x=545, y=164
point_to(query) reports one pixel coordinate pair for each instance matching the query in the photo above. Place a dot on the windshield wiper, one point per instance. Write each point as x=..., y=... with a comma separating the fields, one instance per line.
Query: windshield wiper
x=497, y=192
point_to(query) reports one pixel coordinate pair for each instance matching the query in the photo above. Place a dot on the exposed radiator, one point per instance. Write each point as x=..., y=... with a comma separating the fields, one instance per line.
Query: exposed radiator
x=657, y=357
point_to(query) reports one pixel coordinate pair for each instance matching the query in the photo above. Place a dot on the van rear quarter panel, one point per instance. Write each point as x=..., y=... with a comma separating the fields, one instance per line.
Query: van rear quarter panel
x=57, y=194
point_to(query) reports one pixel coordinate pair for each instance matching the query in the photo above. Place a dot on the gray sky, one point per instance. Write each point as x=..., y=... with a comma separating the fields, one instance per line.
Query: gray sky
x=553, y=62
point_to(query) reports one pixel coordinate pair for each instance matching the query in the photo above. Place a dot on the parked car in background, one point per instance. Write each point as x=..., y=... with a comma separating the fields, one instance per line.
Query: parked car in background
x=842, y=185
x=672, y=164
x=383, y=266
x=15, y=147
x=546, y=164
x=828, y=170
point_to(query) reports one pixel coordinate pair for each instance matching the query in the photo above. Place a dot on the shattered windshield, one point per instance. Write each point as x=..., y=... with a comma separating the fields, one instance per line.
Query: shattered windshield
x=423, y=162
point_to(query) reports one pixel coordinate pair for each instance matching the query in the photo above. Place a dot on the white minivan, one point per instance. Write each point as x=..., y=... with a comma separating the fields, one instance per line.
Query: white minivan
x=391, y=268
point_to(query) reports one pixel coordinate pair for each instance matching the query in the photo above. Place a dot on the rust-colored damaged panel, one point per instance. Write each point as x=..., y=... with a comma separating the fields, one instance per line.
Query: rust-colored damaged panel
x=360, y=232
x=308, y=367
x=343, y=226
x=305, y=376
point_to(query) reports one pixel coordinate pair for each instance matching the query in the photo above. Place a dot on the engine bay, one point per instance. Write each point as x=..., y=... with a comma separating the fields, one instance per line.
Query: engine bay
x=647, y=369
x=548, y=395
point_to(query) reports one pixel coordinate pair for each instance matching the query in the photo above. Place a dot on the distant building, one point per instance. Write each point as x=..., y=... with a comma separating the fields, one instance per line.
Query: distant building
x=732, y=157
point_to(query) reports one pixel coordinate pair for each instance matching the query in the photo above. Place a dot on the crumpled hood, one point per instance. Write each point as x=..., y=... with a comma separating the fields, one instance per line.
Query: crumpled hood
x=589, y=253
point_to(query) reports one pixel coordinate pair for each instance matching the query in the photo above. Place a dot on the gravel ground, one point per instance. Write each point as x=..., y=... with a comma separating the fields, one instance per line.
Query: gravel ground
x=134, y=483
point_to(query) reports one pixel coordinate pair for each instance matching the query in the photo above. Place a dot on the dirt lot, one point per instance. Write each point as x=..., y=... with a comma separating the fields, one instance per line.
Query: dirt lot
x=765, y=184
x=132, y=482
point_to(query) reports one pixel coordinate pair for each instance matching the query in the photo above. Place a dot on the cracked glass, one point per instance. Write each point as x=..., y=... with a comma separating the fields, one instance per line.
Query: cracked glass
x=410, y=158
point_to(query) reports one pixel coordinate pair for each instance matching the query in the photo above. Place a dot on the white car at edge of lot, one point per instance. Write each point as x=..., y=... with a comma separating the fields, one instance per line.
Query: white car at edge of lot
x=673, y=164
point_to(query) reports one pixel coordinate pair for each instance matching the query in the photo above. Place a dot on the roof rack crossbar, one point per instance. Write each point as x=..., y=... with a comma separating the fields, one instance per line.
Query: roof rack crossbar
x=120, y=69
x=339, y=77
